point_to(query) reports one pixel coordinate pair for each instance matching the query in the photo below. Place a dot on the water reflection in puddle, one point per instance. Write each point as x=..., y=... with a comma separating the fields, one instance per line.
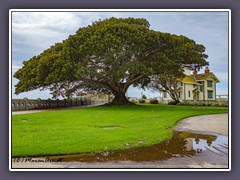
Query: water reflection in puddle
x=180, y=145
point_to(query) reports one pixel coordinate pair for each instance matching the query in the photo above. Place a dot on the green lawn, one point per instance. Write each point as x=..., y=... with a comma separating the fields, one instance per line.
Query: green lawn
x=74, y=131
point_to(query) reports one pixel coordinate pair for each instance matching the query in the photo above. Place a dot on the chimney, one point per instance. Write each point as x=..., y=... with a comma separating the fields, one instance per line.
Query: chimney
x=207, y=70
x=194, y=72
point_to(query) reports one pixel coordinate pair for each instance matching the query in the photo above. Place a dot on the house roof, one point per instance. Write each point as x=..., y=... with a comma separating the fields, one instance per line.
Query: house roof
x=193, y=79
x=189, y=79
x=204, y=76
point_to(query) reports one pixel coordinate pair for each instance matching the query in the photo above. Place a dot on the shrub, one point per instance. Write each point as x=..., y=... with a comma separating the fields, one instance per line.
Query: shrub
x=224, y=104
x=172, y=103
x=144, y=97
x=133, y=101
x=141, y=100
x=153, y=101
x=184, y=103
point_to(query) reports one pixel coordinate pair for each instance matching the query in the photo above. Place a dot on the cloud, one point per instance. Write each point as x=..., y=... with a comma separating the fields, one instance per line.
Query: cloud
x=32, y=95
x=15, y=68
x=38, y=22
x=222, y=91
x=39, y=30
x=222, y=76
x=137, y=93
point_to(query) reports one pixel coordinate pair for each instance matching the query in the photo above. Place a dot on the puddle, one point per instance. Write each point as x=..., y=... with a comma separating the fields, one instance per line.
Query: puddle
x=180, y=145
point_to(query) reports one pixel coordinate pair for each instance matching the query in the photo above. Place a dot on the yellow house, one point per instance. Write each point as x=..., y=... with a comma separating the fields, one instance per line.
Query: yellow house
x=198, y=87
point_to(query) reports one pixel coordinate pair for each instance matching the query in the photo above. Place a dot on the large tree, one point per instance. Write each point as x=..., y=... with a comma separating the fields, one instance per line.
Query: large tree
x=107, y=56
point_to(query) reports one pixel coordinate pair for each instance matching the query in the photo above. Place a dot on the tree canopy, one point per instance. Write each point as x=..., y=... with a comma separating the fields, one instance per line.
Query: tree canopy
x=108, y=56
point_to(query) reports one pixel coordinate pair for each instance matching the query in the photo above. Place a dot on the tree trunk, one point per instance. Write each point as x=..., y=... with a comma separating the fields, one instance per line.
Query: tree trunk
x=177, y=101
x=174, y=96
x=120, y=99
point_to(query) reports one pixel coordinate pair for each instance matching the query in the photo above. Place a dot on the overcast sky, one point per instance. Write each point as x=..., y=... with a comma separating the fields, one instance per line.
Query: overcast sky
x=33, y=32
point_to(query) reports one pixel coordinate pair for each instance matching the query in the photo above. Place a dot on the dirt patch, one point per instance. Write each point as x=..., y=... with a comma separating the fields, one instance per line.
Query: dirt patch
x=108, y=127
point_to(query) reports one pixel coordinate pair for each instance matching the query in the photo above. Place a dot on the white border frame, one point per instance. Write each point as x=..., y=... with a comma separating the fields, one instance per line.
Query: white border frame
x=122, y=10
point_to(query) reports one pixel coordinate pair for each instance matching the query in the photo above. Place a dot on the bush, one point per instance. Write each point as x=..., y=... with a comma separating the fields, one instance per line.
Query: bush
x=141, y=100
x=153, y=101
x=224, y=104
x=172, y=103
x=133, y=101
x=184, y=103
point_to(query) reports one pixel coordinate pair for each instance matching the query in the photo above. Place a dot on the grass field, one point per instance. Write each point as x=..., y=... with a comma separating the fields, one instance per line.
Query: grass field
x=95, y=129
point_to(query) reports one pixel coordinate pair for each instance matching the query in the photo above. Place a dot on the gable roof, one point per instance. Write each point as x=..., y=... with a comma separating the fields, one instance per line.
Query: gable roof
x=189, y=79
x=204, y=76
x=193, y=79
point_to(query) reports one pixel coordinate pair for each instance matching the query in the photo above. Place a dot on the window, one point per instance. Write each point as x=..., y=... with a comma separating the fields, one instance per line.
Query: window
x=209, y=83
x=164, y=94
x=210, y=94
x=179, y=94
x=181, y=84
x=189, y=93
x=201, y=88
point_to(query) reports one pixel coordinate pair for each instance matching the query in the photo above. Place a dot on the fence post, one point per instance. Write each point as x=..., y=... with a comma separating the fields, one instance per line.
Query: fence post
x=57, y=102
x=81, y=102
x=49, y=102
x=26, y=103
x=84, y=101
x=65, y=102
x=13, y=105
x=39, y=103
